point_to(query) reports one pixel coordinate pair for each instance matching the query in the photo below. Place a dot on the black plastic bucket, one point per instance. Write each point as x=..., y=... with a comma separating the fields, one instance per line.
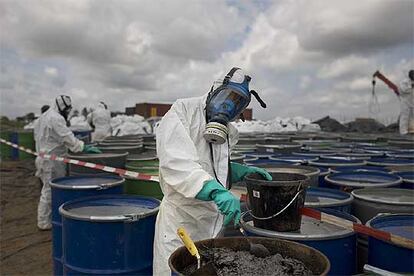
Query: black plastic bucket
x=275, y=205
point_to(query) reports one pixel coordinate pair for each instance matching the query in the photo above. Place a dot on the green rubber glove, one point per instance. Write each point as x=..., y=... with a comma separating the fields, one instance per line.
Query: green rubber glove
x=239, y=171
x=228, y=204
x=91, y=149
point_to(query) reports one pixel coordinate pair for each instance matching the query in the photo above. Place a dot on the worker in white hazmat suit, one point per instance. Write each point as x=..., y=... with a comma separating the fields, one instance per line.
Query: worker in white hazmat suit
x=193, y=145
x=54, y=137
x=100, y=120
x=36, y=139
x=406, y=90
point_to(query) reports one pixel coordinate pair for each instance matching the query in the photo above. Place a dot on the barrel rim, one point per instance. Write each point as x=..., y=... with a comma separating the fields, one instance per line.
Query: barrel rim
x=292, y=235
x=333, y=164
x=356, y=194
x=248, y=178
x=121, y=147
x=282, y=145
x=327, y=261
x=375, y=162
x=385, y=215
x=315, y=171
x=329, y=179
x=349, y=198
x=98, y=155
x=305, y=159
x=120, y=181
x=407, y=180
x=132, y=158
x=121, y=218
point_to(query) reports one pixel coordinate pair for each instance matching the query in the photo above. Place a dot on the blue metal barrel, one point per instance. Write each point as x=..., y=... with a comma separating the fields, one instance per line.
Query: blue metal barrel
x=360, y=169
x=315, y=153
x=387, y=255
x=408, y=179
x=336, y=163
x=337, y=243
x=262, y=161
x=328, y=199
x=293, y=158
x=107, y=235
x=370, y=202
x=390, y=162
x=258, y=155
x=69, y=188
x=323, y=171
x=363, y=179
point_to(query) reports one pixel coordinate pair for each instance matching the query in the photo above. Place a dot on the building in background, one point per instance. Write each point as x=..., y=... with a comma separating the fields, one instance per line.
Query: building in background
x=148, y=110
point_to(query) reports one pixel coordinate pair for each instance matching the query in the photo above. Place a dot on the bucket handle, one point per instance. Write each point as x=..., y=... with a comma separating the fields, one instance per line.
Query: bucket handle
x=281, y=211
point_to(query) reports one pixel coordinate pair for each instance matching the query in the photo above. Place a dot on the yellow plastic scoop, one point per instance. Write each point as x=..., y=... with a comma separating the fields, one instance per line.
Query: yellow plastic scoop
x=189, y=244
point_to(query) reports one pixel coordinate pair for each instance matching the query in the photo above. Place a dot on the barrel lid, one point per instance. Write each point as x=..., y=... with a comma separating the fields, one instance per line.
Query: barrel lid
x=344, y=156
x=323, y=197
x=299, y=169
x=311, y=229
x=280, y=145
x=138, y=146
x=337, y=163
x=235, y=157
x=110, y=208
x=86, y=182
x=363, y=179
x=394, y=196
x=407, y=176
x=83, y=156
x=390, y=162
x=145, y=156
x=322, y=170
x=398, y=224
x=400, y=154
x=258, y=155
x=268, y=161
x=314, y=153
x=293, y=158
x=360, y=169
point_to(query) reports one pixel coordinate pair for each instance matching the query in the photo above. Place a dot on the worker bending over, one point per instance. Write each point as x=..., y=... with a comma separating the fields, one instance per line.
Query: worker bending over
x=100, y=120
x=193, y=145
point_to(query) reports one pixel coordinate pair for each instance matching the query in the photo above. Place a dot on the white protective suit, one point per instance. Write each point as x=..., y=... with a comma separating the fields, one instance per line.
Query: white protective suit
x=185, y=164
x=101, y=119
x=53, y=137
x=407, y=107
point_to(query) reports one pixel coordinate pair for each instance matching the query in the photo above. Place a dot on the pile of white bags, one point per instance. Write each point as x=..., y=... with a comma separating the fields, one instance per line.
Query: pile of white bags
x=276, y=125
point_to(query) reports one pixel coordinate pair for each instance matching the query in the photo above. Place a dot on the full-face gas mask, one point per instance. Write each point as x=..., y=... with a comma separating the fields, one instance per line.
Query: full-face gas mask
x=226, y=103
x=64, y=105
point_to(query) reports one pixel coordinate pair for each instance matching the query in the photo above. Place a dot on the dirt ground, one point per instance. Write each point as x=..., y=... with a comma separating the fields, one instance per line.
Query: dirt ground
x=24, y=249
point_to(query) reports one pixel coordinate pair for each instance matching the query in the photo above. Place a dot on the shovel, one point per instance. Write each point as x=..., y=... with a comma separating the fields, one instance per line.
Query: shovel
x=207, y=269
x=256, y=249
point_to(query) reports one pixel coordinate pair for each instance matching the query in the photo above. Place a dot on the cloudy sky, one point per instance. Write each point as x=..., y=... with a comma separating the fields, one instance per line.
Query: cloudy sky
x=307, y=58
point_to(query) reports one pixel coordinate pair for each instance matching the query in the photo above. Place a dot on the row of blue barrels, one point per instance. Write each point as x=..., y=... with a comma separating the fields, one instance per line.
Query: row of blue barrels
x=341, y=201
x=97, y=230
x=327, y=166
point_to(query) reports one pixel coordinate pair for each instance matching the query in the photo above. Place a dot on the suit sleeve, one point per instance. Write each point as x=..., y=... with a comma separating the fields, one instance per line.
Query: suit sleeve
x=179, y=160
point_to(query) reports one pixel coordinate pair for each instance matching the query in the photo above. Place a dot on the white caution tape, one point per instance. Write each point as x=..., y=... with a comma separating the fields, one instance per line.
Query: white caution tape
x=121, y=172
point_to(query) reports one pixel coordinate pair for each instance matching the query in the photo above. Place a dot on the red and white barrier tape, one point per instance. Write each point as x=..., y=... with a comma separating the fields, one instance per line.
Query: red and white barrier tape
x=121, y=172
x=360, y=228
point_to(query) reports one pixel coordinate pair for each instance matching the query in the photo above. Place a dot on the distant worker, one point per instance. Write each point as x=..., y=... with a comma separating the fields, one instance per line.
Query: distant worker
x=100, y=120
x=43, y=109
x=54, y=137
x=407, y=104
x=405, y=92
x=193, y=146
